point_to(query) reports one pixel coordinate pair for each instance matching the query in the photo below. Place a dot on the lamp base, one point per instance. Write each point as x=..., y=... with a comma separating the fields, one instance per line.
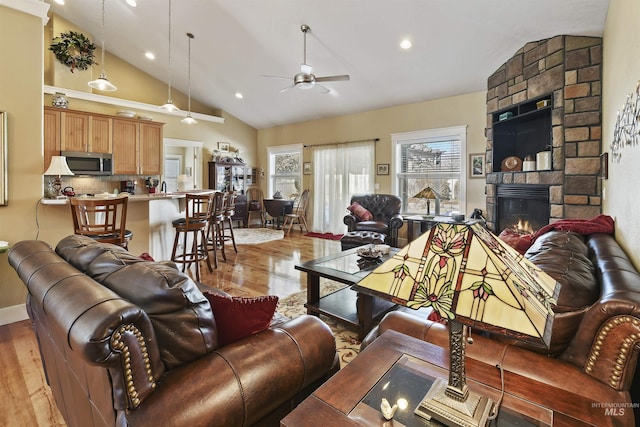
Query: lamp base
x=474, y=411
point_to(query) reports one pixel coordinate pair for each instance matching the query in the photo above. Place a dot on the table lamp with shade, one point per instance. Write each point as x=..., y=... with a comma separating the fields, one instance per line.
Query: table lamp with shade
x=429, y=194
x=470, y=278
x=58, y=167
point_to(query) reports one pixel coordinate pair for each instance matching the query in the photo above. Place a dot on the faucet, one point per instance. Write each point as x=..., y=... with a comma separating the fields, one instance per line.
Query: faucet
x=163, y=187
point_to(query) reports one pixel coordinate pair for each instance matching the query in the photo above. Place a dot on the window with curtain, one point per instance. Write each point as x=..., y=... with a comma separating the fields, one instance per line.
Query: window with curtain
x=434, y=159
x=285, y=170
x=340, y=171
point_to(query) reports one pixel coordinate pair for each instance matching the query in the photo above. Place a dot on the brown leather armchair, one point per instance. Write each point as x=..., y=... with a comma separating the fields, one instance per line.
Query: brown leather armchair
x=129, y=342
x=385, y=209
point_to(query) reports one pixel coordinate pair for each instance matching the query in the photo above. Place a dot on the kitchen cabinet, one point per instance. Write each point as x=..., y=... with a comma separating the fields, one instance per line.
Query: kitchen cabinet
x=51, y=135
x=227, y=176
x=137, y=147
x=100, y=134
x=74, y=130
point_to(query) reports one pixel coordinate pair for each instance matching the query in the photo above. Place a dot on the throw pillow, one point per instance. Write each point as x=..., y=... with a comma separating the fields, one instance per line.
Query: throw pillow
x=239, y=317
x=360, y=212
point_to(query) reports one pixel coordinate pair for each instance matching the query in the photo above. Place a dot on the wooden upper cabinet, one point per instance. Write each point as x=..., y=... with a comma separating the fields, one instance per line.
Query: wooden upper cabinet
x=51, y=135
x=150, y=148
x=74, y=131
x=100, y=134
x=125, y=147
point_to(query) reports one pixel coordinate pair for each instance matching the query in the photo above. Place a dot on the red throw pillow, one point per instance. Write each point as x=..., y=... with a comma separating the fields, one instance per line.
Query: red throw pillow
x=361, y=213
x=238, y=317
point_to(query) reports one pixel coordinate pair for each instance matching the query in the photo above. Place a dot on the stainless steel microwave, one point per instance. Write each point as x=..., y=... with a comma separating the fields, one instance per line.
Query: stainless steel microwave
x=82, y=163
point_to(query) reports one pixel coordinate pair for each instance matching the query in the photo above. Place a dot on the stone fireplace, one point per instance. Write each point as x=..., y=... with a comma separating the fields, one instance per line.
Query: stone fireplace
x=546, y=98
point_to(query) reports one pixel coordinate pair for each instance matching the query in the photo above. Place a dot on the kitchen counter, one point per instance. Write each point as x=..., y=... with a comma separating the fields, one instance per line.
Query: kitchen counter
x=149, y=217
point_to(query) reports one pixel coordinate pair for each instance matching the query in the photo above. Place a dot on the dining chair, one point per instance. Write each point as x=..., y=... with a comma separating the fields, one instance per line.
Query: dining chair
x=299, y=214
x=193, y=226
x=255, y=205
x=104, y=220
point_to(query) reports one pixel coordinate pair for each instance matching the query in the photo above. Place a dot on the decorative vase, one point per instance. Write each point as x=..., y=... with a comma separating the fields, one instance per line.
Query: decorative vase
x=59, y=100
x=277, y=195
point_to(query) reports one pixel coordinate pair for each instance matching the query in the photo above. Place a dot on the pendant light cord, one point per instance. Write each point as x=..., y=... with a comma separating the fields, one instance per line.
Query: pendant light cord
x=169, y=98
x=102, y=36
x=190, y=36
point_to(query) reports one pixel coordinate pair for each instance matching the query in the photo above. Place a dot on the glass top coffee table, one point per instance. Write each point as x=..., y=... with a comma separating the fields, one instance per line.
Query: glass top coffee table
x=344, y=305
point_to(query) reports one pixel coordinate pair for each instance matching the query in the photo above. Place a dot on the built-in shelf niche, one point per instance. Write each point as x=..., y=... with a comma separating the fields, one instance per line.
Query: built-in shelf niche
x=522, y=130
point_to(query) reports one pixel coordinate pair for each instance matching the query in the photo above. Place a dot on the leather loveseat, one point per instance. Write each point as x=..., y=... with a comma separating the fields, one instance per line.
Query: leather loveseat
x=385, y=211
x=127, y=342
x=595, y=335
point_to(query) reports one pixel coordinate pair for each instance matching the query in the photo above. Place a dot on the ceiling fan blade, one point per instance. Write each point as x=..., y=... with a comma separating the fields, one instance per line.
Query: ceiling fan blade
x=275, y=77
x=287, y=88
x=340, y=78
x=322, y=89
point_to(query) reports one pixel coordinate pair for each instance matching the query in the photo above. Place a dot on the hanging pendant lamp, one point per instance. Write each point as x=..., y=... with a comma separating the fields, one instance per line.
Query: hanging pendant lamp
x=169, y=106
x=189, y=120
x=102, y=83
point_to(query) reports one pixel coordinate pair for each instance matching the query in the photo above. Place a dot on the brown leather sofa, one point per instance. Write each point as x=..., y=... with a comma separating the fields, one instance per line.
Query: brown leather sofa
x=595, y=336
x=131, y=342
x=385, y=209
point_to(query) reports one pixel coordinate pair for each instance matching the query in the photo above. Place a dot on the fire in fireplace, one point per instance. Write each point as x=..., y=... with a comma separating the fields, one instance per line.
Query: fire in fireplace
x=521, y=207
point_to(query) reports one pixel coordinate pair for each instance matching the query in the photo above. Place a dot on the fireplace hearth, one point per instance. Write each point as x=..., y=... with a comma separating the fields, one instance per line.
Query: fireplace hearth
x=523, y=208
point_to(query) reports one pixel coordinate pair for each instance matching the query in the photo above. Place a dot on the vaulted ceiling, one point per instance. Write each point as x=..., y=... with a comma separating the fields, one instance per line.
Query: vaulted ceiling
x=456, y=45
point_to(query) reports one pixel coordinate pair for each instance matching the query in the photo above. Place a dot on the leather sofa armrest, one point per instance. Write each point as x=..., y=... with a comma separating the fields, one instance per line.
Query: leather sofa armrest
x=396, y=222
x=350, y=221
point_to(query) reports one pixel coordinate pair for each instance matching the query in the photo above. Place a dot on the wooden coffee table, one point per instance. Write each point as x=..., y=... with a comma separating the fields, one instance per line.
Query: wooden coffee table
x=396, y=365
x=345, y=305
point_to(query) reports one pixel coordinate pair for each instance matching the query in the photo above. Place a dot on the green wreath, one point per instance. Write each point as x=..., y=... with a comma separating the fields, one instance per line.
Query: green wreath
x=74, y=50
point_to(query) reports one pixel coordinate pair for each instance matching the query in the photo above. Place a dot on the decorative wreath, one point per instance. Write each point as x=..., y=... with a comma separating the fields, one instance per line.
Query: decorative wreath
x=74, y=50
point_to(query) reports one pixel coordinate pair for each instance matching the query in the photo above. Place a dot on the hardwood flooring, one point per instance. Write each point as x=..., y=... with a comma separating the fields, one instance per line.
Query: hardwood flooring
x=265, y=269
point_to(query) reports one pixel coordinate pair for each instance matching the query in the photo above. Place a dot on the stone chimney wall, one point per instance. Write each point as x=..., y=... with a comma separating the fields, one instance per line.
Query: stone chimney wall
x=570, y=67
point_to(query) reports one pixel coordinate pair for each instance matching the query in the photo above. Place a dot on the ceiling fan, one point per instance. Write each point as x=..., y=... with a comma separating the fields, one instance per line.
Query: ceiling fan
x=305, y=79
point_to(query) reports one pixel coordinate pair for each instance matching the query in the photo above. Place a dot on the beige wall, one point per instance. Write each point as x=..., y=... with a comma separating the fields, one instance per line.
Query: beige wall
x=469, y=109
x=21, y=98
x=621, y=73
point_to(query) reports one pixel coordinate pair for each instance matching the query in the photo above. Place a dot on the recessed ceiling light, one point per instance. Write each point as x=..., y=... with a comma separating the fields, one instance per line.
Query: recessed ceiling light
x=239, y=95
x=132, y=3
x=60, y=1
x=405, y=44
x=150, y=55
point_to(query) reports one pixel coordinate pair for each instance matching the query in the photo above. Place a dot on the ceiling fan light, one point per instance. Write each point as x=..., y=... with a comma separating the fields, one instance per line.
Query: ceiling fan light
x=169, y=107
x=102, y=83
x=189, y=120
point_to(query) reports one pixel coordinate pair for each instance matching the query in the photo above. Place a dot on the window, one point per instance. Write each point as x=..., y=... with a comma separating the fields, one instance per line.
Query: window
x=285, y=170
x=431, y=158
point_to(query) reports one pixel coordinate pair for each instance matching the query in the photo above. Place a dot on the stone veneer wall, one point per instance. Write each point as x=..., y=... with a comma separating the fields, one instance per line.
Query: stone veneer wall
x=570, y=67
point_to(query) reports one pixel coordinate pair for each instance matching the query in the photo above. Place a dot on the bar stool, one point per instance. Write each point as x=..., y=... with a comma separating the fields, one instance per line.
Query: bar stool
x=195, y=222
x=229, y=212
x=215, y=231
x=104, y=220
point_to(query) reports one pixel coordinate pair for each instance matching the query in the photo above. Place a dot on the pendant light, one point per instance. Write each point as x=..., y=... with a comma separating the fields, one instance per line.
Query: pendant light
x=169, y=106
x=189, y=120
x=102, y=83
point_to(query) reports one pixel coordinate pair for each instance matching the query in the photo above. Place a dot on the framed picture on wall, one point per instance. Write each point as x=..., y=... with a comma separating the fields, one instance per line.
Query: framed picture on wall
x=306, y=168
x=223, y=146
x=476, y=165
x=383, y=169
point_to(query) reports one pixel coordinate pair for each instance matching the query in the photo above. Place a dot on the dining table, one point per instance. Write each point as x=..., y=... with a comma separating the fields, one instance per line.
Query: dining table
x=277, y=209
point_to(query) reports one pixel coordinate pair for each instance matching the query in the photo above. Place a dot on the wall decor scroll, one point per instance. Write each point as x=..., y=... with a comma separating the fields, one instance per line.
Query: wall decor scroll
x=627, y=129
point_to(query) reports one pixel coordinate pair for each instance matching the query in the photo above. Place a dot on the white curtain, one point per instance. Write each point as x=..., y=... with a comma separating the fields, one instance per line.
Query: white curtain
x=339, y=172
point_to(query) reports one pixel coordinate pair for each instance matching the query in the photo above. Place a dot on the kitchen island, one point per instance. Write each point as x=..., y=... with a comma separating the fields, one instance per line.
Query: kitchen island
x=149, y=217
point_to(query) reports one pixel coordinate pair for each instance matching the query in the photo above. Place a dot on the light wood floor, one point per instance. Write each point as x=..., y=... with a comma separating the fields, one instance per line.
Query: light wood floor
x=265, y=269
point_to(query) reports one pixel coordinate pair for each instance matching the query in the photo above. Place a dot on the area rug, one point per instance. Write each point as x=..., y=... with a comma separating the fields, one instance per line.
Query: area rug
x=347, y=342
x=329, y=236
x=254, y=236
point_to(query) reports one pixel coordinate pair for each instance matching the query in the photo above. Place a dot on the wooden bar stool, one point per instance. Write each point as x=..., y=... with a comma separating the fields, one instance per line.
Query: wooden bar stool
x=198, y=211
x=215, y=231
x=229, y=212
x=104, y=220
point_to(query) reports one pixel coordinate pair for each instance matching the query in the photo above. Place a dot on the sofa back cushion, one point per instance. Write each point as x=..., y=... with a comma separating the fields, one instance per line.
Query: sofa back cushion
x=182, y=318
x=381, y=206
x=564, y=256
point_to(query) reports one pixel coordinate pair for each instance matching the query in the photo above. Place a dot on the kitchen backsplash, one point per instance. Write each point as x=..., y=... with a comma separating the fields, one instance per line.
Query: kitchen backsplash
x=102, y=184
